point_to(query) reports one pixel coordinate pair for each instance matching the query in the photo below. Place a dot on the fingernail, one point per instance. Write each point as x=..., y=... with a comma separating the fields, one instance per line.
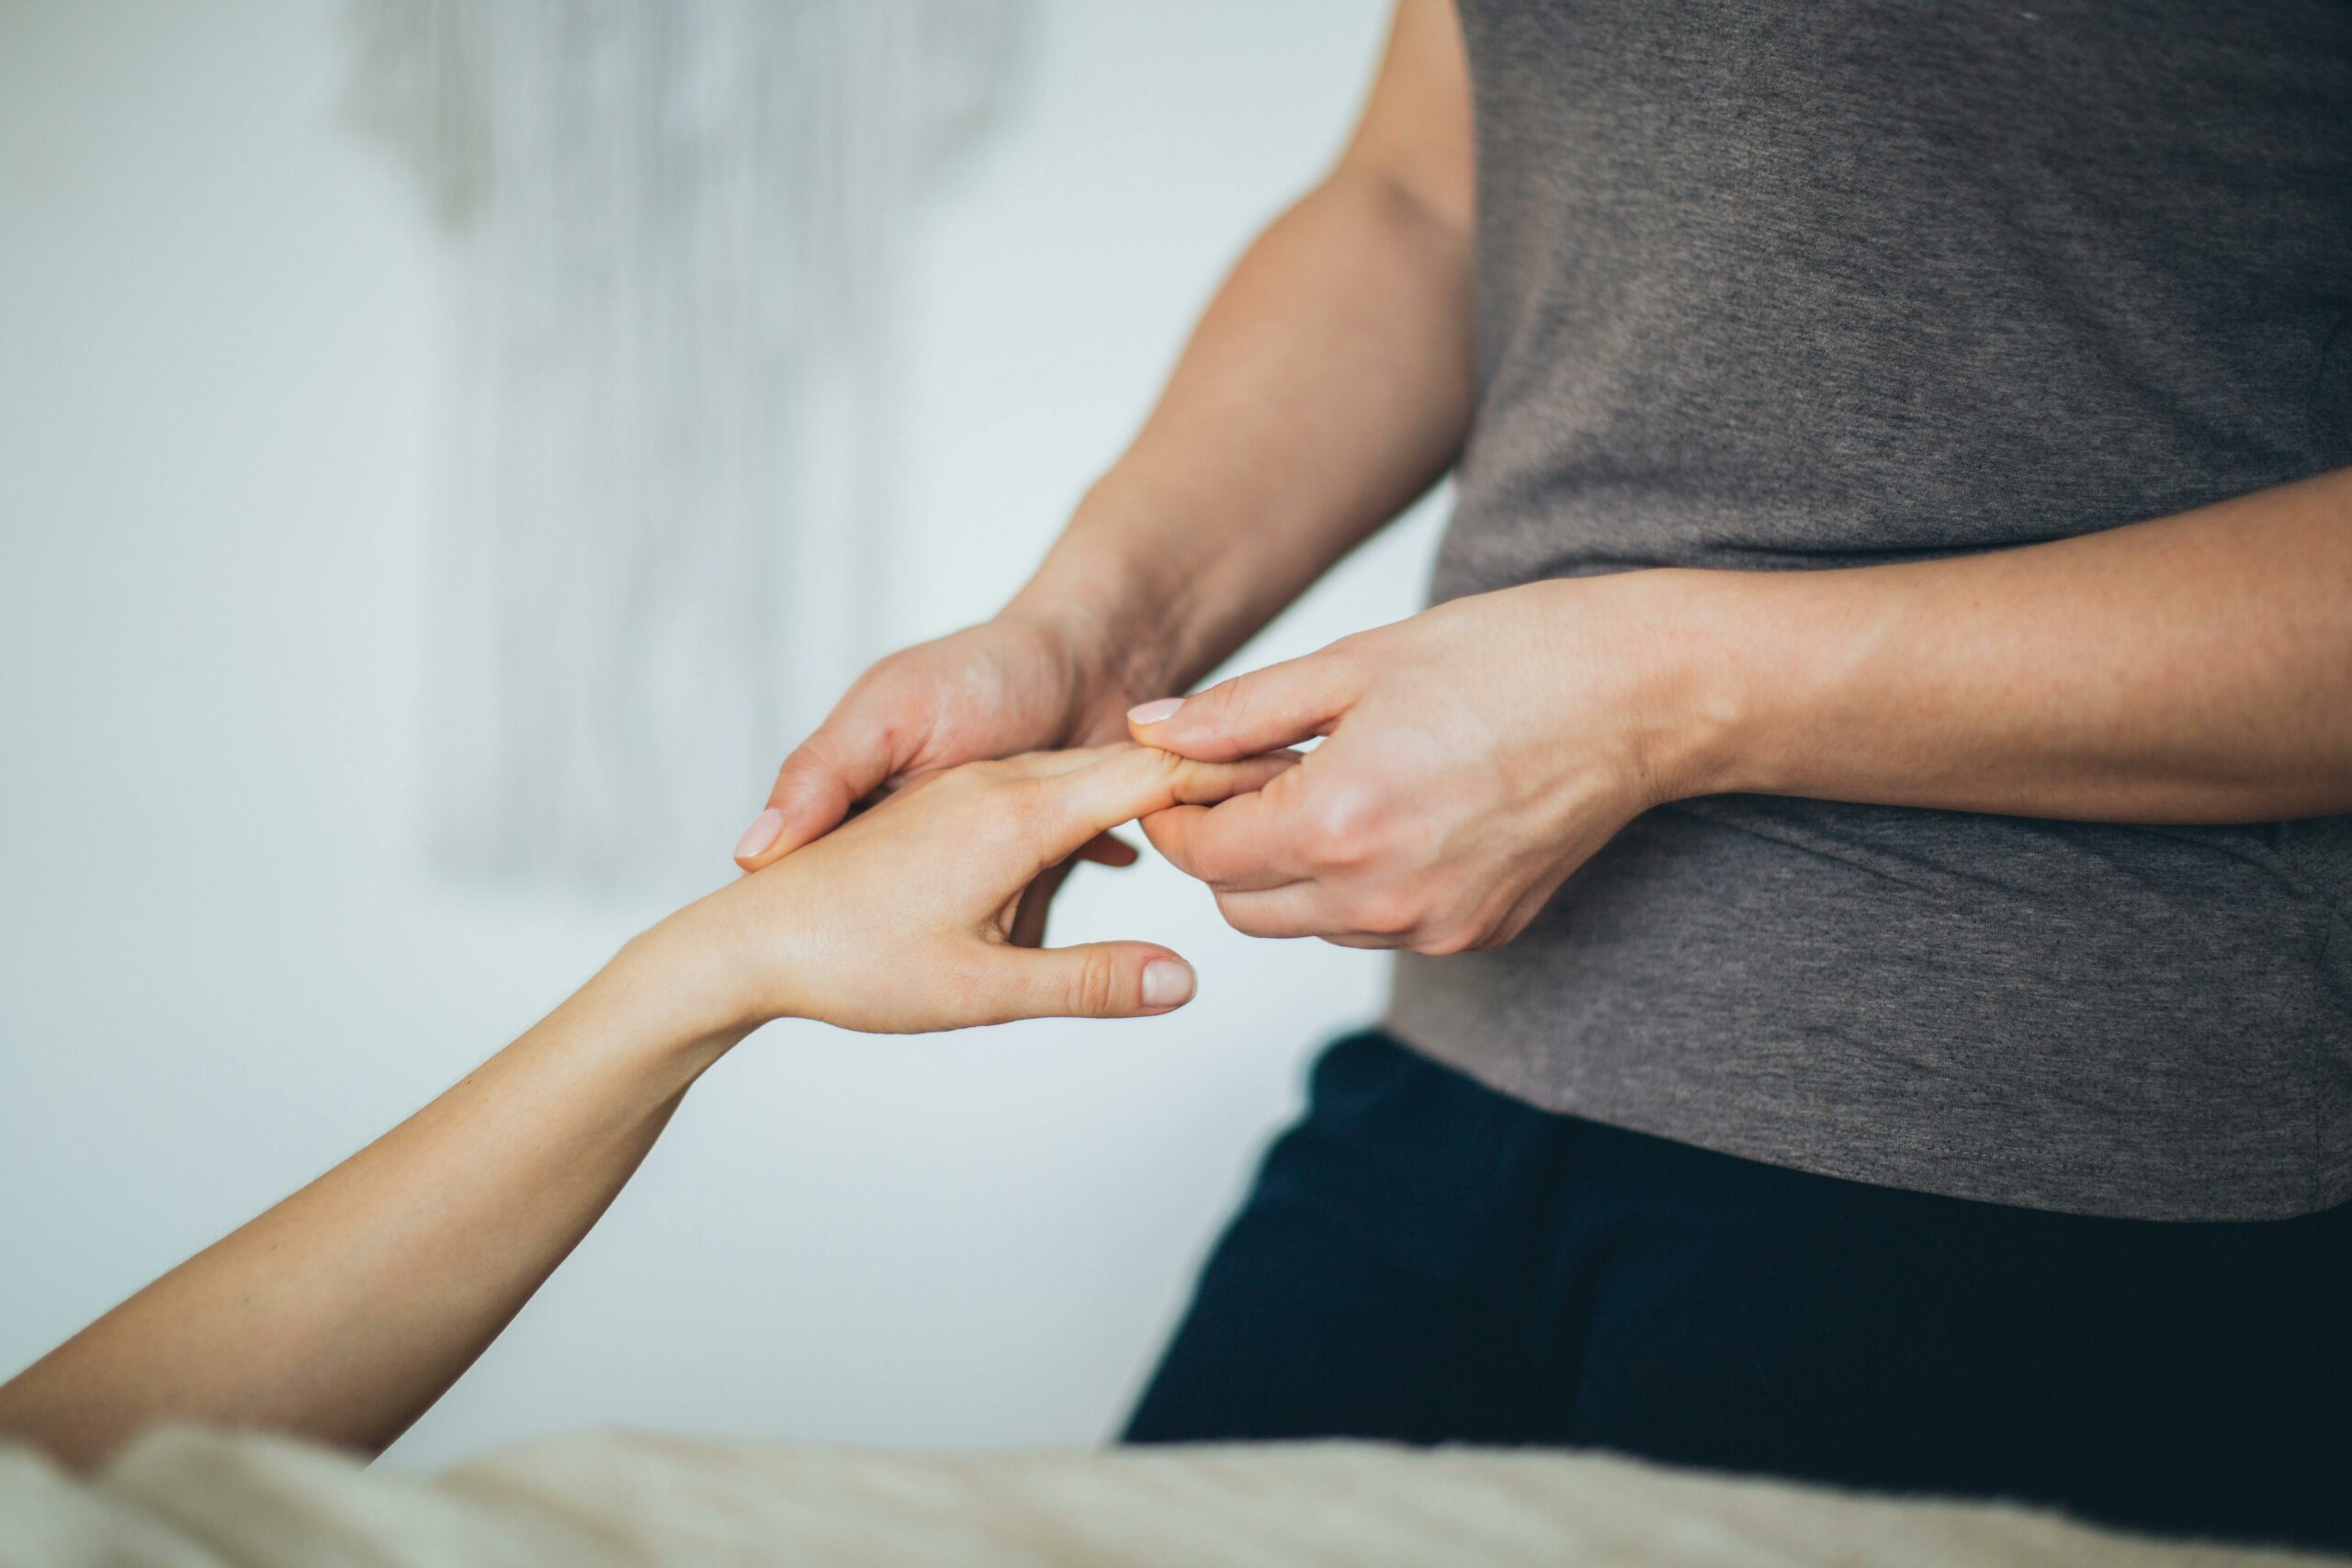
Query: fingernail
x=760, y=834
x=1156, y=711
x=1166, y=982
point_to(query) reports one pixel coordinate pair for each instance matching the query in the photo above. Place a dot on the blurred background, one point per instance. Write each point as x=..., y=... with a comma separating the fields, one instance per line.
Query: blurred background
x=261, y=376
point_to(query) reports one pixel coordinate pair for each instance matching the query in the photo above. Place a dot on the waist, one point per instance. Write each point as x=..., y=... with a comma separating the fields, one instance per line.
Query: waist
x=2152, y=1023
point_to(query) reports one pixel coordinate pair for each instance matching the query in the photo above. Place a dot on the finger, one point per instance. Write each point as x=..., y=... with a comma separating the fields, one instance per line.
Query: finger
x=1072, y=758
x=1101, y=979
x=1073, y=806
x=1067, y=760
x=1246, y=843
x=1027, y=927
x=1109, y=849
x=1292, y=909
x=1300, y=909
x=1030, y=909
x=1279, y=705
x=1176, y=834
x=827, y=774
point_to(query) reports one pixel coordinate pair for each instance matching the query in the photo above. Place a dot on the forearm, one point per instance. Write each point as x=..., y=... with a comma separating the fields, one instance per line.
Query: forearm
x=2191, y=669
x=1326, y=388
x=343, y=1312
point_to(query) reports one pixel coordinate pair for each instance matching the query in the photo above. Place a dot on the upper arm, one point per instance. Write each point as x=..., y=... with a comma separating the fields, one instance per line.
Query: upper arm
x=1415, y=132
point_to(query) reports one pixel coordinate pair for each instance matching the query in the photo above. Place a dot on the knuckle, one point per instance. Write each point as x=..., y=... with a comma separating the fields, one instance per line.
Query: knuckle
x=893, y=674
x=823, y=757
x=1151, y=768
x=814, y=754
x=826, y=755
x=1226, y=706
x=1242, y=701
x=1341, y=825
x=1493, y=930
x=1386, y=911
x=1015, y=798
x=1445, y=942
x=1239, y=914
x=1355, y=659
x=1217, y=701
x=1094, y=986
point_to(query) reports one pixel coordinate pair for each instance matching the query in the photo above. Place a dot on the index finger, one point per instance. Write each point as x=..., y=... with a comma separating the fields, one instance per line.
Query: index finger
x=1119, y=783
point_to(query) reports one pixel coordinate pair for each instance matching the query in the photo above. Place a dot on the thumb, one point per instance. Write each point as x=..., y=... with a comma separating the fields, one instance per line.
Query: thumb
x=1097, y=980
x=1263, y=711
x=826, y=775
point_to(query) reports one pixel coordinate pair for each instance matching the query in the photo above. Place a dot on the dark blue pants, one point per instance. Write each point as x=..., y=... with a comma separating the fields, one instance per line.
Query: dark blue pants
x=1426, y=1260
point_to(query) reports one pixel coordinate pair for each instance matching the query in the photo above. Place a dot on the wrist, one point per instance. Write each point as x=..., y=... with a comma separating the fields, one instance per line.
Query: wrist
x=1696, y=686
x=674, y=993
x=1113, y=619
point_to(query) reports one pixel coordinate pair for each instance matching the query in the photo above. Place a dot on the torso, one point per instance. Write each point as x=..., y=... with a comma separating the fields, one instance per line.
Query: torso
x=1771, y=286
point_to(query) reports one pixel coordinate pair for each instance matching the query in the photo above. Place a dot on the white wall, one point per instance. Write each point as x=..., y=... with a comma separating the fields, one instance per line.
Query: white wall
x=220, y=965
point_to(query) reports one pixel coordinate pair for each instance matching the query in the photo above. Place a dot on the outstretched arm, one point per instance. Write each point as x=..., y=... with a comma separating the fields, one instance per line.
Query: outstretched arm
x=345, y=1311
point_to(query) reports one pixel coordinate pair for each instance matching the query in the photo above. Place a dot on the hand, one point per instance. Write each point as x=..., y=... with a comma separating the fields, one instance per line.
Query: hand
x=343, y=1312
x=995, y=690
x=1476, y=754
x=901, y=920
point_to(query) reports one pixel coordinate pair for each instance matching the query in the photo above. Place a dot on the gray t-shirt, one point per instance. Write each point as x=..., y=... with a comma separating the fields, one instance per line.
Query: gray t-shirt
x=1770, y=287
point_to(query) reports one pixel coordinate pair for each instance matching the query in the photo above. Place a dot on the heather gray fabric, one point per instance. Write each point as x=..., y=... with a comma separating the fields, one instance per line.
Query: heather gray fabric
x=1780, y=285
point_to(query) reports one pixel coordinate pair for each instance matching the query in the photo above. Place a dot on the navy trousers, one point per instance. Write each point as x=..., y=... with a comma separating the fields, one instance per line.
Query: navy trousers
x=1425, y=1260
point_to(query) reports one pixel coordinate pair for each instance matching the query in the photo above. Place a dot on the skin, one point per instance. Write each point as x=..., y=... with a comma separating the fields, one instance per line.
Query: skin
x=1327, y=386
x=2183, y=670
x=345, y=1312
x=2193, y=669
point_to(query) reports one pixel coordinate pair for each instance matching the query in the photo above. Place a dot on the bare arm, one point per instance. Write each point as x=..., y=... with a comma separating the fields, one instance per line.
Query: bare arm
x=2190, y=669
x=2193, y=669
x=1328, y=385
x=345, y=1311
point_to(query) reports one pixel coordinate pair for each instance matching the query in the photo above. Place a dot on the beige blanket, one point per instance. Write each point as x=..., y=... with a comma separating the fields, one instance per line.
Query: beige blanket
x=205, y=1499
